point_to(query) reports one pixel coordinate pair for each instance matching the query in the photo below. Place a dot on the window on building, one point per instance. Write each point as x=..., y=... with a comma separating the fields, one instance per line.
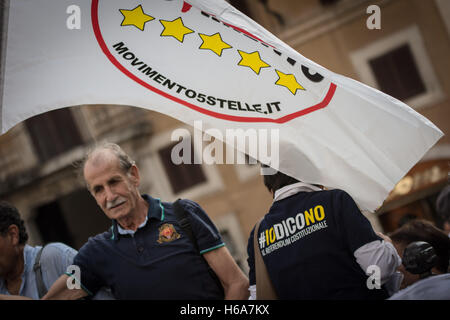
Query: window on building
x=171, y=181
x=181, y=176
x=398, y=64
x=241, y=6
x=52, y=225
x=397, y=74
x=53, y=133
x=71, y=219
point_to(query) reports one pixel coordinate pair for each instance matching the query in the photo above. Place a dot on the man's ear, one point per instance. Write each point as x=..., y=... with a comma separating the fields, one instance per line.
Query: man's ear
x=13, y=234
x=134, y=175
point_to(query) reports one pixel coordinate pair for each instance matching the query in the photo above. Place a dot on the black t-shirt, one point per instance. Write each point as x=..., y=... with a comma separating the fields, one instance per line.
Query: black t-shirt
x=158, y=262
x=307, y=242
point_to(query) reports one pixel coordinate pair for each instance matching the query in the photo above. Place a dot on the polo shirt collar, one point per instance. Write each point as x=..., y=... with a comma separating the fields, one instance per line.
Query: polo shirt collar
x=292, y=189
x=126, y=231
x=155, y=211
x=155, y=208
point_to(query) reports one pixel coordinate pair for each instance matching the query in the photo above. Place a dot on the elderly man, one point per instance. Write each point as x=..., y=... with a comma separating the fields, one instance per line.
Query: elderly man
x=146, y=254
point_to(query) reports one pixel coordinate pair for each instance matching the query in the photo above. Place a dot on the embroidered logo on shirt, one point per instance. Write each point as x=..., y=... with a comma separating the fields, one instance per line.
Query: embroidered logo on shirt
x=167, y=233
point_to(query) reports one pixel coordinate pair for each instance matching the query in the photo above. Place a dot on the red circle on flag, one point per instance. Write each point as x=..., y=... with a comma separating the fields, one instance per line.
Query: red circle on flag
x=118, y=65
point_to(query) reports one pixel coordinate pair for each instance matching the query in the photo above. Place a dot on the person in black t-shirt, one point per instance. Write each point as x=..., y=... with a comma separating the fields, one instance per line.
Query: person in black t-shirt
x=147, y=254
x=316, y=244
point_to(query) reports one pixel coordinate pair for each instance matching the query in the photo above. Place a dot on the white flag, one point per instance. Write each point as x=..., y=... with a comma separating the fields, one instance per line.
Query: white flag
x=204, y=60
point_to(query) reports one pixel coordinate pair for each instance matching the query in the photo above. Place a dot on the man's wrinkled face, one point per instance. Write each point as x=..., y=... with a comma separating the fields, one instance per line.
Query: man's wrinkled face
x=115, y=191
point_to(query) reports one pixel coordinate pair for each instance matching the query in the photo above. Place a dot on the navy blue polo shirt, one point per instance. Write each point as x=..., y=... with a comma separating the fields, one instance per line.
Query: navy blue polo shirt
x=307, y=241
x=158, y=262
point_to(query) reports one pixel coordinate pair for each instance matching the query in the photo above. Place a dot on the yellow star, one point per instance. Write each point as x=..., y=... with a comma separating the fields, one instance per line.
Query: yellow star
x=135, y=17
x=214, y=43
x=288, y=81
x=175, y=29
x=252, y=60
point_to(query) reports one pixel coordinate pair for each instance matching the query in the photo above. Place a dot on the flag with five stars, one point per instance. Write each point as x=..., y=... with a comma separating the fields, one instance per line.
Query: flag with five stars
x=204, y=60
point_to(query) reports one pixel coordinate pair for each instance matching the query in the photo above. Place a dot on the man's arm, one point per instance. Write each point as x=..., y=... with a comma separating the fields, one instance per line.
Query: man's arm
x=368, y=247
x=233, y=280
x=382, y=254
x=60, y=291
x=13, y=297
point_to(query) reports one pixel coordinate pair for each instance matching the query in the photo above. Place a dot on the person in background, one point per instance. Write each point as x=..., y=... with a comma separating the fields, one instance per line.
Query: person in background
x=425, y=251
x=316, y=244
x=422, y=230
x=18, y=274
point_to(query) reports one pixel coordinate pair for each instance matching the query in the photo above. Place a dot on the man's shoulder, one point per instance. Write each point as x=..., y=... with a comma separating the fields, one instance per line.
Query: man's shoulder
x=57, y=249
x=190, y=207
x=102, y=237
x=99, y=241
x=319, y=196
x=333, y=195
x=435, y=288
x=188, y=204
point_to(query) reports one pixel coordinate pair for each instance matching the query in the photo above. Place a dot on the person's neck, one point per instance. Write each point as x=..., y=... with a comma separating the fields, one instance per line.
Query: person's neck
x=136, y=217
x=13, y=278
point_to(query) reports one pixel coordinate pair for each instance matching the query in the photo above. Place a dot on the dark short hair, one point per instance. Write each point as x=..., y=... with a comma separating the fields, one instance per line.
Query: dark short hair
x=9, y=215
x=276, y=181
x=422, y=230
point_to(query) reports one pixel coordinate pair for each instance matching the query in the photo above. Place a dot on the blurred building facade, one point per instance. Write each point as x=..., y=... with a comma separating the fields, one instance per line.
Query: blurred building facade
x=406, y=58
